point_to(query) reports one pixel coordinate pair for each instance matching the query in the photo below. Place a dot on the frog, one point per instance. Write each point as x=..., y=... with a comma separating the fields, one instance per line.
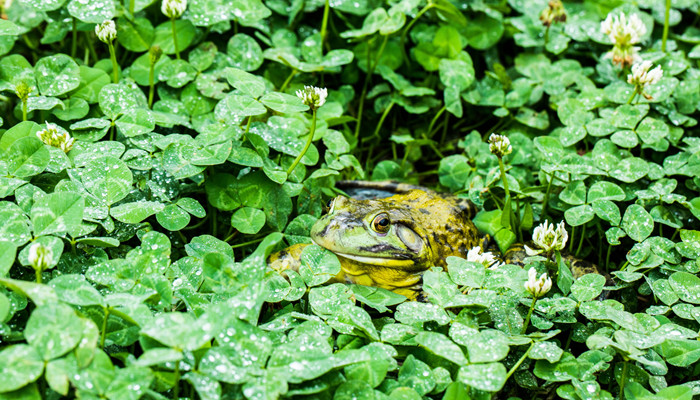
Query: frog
x=390, y=242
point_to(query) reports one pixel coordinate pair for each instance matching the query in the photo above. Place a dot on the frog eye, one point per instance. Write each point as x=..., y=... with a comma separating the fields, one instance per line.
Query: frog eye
x=381, y=223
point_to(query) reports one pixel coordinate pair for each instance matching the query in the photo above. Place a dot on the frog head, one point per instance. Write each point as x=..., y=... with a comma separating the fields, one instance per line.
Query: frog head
x=385, y=232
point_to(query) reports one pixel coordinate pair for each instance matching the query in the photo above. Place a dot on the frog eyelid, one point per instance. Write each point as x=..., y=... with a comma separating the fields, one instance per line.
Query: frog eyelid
x=330, y=205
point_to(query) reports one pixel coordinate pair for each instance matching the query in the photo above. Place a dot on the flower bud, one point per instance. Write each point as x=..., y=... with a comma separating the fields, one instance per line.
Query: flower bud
x=22, y=89
x=52, y=136
x=40, y=257
x=312, y=96
x=642, y=76
x=106, y=31
x=486, y=259
x=537, y=287
x=173, y=8
x=500, y=145
x=154, y=54
x=547, y=238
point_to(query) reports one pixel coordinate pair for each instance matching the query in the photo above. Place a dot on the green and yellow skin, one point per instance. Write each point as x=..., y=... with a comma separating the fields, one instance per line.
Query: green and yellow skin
x=390, y=242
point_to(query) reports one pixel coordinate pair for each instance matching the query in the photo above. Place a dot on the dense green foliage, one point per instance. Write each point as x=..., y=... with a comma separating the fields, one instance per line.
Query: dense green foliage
x=149, y=277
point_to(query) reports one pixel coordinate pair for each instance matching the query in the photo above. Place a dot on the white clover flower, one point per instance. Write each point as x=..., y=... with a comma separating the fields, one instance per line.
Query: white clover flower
x=106, y=31
x=548, y=238
x=623, y=32
x=642, y=76
x=40, y=257
x=499, y=145
x=537, y=287
x=486, y=259
x=53, y=137
x=312, y=96
x=173, y=8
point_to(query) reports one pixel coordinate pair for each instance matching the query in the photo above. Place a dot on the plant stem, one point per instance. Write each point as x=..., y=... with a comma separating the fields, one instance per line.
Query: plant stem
x=37, y=272
x=368, y=77
x=634, y=94
x=308, y=143
x=434, y=120
x=237, y=245
x=151, y=84
x=132, y=6
x=324, y=23
x=408, y=27
x=529, y=314
x=546, y=35
x=174, y=28
x=520, y=361
x=580, y=242
x=176, y=388
x=381, y=121
x=289, y=79
x=664, y=37
x=104, y=327
x=503, y=176
x=115, y=66
x=623, y=379
x=24, y=109
x=74, y=44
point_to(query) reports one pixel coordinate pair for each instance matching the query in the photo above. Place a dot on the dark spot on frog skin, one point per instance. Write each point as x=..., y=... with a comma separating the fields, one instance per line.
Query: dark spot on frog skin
x=383, y=248
x=424, y=211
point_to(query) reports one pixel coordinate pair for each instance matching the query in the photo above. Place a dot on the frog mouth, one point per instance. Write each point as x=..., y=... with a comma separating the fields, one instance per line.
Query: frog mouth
x=392, y=262
x=383, y=261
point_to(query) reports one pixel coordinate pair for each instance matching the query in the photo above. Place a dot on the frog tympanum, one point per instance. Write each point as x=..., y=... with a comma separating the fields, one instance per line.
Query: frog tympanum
x=390, y=242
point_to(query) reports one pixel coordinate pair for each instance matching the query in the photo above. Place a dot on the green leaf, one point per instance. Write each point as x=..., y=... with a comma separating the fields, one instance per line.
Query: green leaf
x=173, y=218
x=318, y=265
x=604, y=190
x=465, y=273
x=248, y=83
x=8, y=250
x=283, y=103
x=20, y=365
x=487, y=346
x=245, y=52
x=135, y=212
x=416, y=375
x=137, y=121
x=442, y=346
x=487, y=377
x=58, y=212
x=579, y=215
x=680, y=353
x=457, y=73
x=179, y=330
x=27, y=157
x=248, y=220
x=94, y=11
x=607, y=210
x=546, y=351
x=483, y=31
x=637, y=222
x=135, y=35
x=75, y=289
x=630, y=169
x=9, y=28
x=587, y=287
x=117, y=99
x=243, y=105
x=108, y=179
x=686, y=286
x=56, y=75
x=53, y=330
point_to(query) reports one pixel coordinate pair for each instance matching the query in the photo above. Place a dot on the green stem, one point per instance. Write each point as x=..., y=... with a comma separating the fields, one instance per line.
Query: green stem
x=289, y=79
x=634, y=94
x=308, y=143
x=664, y=37
x=37, y=273
x=402, y=43
x=174, y=29
x=503, y=176
x=132, y=7
x=517, y=364
x=324, y=23
x=529, y=314
x=104, y=327
x=546, y=35
x=623, y=379
x=74, y=44
x=237, y=245
x=151, y=84
x=115, y=66
x=434, y=120
x=24, y=109
x=580, y=242
x=368, y=77
x=247, y=125
x=381, y=120
x=176, y=388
